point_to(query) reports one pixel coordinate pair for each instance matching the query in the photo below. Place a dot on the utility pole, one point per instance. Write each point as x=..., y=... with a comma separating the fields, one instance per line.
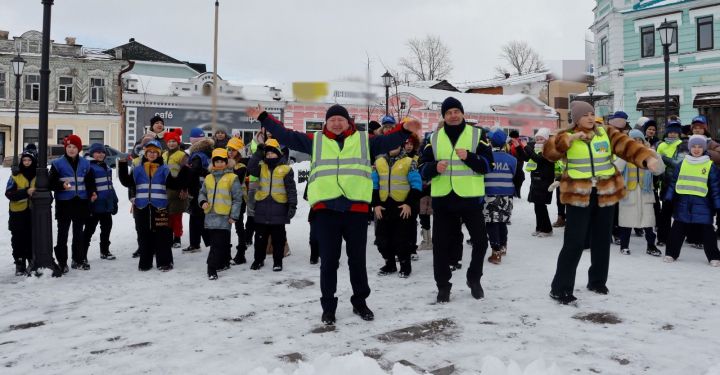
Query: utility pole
x=215, y=80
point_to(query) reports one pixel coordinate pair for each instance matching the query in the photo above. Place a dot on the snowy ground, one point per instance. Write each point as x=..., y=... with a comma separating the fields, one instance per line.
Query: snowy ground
x=114, y=319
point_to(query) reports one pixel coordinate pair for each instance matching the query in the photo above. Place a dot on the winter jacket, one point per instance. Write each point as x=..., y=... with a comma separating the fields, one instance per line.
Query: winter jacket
x=713, y=150
x=107, y=199
x=672, y=163
x=75, y=207
x=268, y=211
x=479, y=160
x=303, y=142
x=610, y=190
x=214, y=220
x=200, y=154
x=541, y=178
x=414, y=181
x=691, y=208
x=14, y=193
x=637, y=208
x=176, y=205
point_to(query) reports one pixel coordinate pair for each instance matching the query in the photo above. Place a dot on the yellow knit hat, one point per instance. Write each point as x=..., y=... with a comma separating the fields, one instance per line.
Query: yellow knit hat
x=235, y=143
x=219, y=153
x=272, y=142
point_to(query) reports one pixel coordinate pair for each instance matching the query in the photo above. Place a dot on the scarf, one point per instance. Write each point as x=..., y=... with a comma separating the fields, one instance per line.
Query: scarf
x=696, y=159
x=646, y=178
x=150, y=168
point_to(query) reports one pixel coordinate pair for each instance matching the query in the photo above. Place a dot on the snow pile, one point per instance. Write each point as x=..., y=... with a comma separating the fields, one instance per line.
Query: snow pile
x=352, y=364
x=495, y=366
x=715, y=370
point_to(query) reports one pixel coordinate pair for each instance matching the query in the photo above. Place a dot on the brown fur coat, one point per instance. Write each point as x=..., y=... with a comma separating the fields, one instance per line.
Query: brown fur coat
x=610, y=189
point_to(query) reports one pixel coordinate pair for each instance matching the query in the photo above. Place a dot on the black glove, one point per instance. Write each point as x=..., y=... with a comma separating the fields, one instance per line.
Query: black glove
x=291, y=213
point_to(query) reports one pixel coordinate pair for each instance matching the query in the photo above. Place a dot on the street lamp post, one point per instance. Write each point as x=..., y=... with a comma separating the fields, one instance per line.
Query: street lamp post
x=667, y=38
x=387, y=81
x=18, y=64
x=42, y=199
x=591, y=90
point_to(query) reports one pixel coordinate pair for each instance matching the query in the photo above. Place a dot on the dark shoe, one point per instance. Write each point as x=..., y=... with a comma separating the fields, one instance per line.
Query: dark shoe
x=248, y=241
x=638, y=232
x=165, y=268
x=476, y=289
x=239, y=259
x=256, y=265
x=108, y=256
x=75, y=265
x=495, y=257
x=85, y=266
x=559, y=223
x=456, y=266
x=136, y=254
x=64, y=268
x=563, y=298
x=405, y=269
x=224, y=268
x=277, y=267
x=363, y=312
x=20, y=268
x=176, y=243
x=599, y=289
x=328, y=318
x=616, y=240
x=388, y=268
x=144, y=269
x=443, y=295
x=313, y=260
x=654, y=251
x=661, y=244
x=191, y=249
x=212, y=274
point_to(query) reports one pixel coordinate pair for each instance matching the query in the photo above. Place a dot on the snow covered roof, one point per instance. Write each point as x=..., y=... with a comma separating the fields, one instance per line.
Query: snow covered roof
x=153, y=85
x=502, y=81
x=651, y=4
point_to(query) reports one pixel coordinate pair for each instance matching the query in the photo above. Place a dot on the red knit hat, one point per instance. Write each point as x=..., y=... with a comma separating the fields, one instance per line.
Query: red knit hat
x=73, y=139
x=175, y=134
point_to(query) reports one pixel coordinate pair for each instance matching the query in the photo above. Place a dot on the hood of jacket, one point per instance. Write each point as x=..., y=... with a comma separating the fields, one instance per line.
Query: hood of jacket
x=204, y=145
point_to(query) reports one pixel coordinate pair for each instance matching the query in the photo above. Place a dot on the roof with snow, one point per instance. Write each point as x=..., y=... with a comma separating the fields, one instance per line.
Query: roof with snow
x=652, y=4
x=502, y=81
x=434, y=84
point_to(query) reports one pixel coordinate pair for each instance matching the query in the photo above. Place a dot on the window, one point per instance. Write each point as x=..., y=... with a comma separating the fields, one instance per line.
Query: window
x=65, y=89
x=61, y=134
x=604, y=51
x=30, y=136
x=312, y=126
x=561, y=103
x=705, y=33
x=97, y=90
x=647, y=41
x=32, y=87
x=674, y=45
x=2, y=85
x=97, y=136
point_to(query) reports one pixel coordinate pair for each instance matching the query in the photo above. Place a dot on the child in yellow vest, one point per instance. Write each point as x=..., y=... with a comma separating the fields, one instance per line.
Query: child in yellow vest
x=220, y=198
x=275, y=201
x=175, y=158
x=694, y=193
x=20, y=187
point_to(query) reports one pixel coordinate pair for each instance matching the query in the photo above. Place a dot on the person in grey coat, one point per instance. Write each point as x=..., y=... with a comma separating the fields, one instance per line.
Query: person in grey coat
x=221, y=199
x=275, y=201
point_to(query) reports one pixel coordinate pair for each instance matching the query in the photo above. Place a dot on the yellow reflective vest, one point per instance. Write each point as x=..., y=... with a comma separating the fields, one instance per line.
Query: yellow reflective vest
x=393, y=181
x=174, y=161
x=668, y=149
x=21, y=183
x=219, y=193
x=458, y=177
x=693, y=179
x=272, y=184
x=338, y=173
x=593, y=159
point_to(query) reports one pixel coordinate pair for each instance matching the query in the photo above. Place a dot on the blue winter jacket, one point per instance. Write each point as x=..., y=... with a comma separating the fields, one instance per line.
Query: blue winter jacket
x=691, y=208
x=107, y=200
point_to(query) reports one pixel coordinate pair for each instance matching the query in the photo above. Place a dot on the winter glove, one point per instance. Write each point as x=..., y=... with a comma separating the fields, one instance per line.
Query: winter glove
x=553, y=186
x=291, y=212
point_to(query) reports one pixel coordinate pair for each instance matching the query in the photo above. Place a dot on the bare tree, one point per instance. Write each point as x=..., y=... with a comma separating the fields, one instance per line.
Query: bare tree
x=429, y=59
x=522, y=58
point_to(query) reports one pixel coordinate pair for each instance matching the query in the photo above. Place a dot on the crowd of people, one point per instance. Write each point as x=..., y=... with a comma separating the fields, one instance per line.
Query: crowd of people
x=609, y=179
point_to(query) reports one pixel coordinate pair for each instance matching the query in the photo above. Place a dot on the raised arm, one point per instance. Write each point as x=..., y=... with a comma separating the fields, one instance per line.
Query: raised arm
x=294, y=140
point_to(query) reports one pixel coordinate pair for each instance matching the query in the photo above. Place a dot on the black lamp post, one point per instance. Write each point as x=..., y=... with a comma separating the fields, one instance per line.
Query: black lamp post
x=387, y=81
x=18, y=64
x=42, y=199
x=591, y=90
x=667, y=38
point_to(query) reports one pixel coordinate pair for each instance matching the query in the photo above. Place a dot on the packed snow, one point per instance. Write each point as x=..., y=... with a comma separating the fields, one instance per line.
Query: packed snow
x=658, y=318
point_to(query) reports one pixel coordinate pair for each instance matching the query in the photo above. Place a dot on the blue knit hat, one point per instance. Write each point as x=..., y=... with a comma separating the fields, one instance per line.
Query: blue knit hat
x=697, y=140
x=498, y=138
x=673, y=127
x=635, y=134
x=387, y=119
x=96, y=147
x=197, y=133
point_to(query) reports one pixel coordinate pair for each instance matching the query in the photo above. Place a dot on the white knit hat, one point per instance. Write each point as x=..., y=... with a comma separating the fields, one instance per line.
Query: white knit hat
x=543, y=132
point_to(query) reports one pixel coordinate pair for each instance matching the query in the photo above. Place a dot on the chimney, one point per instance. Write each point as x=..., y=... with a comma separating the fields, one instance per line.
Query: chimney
x=4, y=35
x=507, y=75
x=132, y=40
x=70, y=40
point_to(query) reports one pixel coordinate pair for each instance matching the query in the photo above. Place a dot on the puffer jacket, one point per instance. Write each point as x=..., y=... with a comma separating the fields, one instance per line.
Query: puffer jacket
x=197, y=170
x=217, y=221
x=610, y=190
x=267, y=211
x=691, y=208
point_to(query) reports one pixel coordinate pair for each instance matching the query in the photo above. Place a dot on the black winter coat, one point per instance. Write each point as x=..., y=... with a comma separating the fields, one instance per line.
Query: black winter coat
x=541, y=178
x=267, y=211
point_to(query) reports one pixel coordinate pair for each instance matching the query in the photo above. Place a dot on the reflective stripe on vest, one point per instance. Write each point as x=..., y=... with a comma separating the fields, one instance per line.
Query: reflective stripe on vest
x=21, y=183
x=272, y=184
x=219, y=193
x=75, y=177
x=150, y=190
x=587, y=160
x=693, y=179
x=103, y=180
x=530, y=166
x=393, y=180
x=174, y=161
x=335, y=172
x=458, y=177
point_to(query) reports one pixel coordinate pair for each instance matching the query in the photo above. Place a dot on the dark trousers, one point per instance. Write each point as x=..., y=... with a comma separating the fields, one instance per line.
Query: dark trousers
x=106, y=223
x=20, y=225
x=542, y=218
x=277, y=234
x=456, y=243
x=240, y=232
x=615, y=227
x=694, y=234
x=560, y=206
x=497, y=233
x=425, y=222
x=395, y=235
x=78, y=243
x=332, y=227
x=446, y=225
x=154, y=242
x=581, y=220
x=518, y=180
x=314, y=245
x=664, y=221
x=219, y=255
x=680, y=230
x=625, y=236
x=197, y=230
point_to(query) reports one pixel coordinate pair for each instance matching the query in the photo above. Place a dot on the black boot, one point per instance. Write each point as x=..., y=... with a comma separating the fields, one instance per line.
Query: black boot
x=653, y=250
x=257, y=264
x=476, y=289
x=20, y=268
x=328, y=317
x=240, y=258
x=388, y=268
x=212, y=273
x=105, y=252
x=563, y=298
x=176, y=243
x=136, y=254
x=191, y=249
x=360, y=309
x=405, y=268
x=443, y=295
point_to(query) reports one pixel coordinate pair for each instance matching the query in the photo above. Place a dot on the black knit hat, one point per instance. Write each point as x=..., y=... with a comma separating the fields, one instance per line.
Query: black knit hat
x=337, y=110
x=156, y=119
x=449, y=103
x=373, y=125
x=648, y=124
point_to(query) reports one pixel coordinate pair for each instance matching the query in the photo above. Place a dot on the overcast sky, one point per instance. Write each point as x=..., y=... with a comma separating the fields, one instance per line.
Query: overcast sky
x=268, y=41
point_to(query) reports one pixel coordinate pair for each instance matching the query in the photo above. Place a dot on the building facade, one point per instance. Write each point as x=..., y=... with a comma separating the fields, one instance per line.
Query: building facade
x=630, y=66
x=83, y=93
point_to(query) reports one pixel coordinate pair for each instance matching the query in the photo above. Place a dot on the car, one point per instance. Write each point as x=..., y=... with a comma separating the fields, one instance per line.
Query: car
x=111, y=155
x=54, y=152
